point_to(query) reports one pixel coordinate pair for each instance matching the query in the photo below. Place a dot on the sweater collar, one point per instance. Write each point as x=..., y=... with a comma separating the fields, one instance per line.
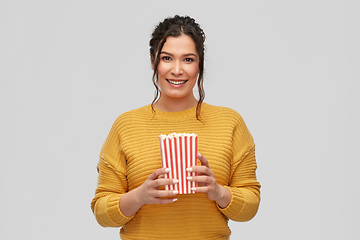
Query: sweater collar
x=189, y=113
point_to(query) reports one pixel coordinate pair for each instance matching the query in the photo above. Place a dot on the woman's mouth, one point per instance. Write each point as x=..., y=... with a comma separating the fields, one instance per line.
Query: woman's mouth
x=176, y=82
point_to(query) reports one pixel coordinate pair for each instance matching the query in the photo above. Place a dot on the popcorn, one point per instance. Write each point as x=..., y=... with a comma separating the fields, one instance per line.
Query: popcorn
x=179, y=152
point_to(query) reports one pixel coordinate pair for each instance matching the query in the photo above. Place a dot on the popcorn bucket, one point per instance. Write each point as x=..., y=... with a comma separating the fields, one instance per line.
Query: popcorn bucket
x=179, y=152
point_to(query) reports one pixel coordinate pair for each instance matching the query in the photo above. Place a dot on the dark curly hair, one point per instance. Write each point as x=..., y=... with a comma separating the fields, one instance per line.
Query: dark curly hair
x=174, y=27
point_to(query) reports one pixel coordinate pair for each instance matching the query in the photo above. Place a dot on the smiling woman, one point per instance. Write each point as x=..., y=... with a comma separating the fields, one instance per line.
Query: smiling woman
x=130, y=192
x=178, y=70
x=187, y=32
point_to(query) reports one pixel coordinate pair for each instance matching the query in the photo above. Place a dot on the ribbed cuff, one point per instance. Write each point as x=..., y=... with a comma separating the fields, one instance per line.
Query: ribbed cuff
x=114, y=212
x=236, y=204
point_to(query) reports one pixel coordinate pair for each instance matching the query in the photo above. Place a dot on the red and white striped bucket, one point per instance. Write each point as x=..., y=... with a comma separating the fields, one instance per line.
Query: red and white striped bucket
x=179, y=152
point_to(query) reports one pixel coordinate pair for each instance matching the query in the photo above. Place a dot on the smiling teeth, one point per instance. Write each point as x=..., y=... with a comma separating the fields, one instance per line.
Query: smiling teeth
x=176, y=82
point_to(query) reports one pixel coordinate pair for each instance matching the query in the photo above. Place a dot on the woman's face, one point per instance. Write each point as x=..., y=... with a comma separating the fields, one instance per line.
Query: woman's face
x=178, y=69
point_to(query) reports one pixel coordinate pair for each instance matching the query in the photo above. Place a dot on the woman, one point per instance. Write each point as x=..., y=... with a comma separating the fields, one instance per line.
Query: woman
x=130, y=192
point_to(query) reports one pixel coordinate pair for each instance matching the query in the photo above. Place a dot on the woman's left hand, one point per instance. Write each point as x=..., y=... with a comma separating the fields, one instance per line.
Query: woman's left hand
x=207, y=183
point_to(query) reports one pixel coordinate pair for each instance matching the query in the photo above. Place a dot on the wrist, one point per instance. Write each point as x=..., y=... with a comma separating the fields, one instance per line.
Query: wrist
x=220, y=193
x=138, y=200
x=224, y=197
x=130, y=203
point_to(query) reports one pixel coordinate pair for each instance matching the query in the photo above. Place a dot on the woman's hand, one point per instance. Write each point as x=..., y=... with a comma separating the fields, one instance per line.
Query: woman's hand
x=207, y=183
x=148, y=193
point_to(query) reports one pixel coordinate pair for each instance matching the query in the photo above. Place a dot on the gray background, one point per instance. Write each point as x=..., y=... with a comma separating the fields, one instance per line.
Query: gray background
x=290, y=68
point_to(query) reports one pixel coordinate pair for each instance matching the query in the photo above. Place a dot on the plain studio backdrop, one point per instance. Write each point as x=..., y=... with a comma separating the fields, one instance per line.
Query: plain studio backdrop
x=290, y=68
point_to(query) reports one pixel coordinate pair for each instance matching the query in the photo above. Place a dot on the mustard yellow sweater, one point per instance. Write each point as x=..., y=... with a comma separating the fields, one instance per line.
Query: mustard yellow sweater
x=131, y=153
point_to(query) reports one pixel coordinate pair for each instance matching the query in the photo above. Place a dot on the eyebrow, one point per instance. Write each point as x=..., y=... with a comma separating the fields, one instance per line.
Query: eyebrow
x=185, y=55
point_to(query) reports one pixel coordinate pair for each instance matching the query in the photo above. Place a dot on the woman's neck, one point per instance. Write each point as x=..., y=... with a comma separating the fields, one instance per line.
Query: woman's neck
x=175, y=104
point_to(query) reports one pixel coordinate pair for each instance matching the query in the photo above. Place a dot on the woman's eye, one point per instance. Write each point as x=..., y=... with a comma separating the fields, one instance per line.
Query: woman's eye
x=166, y=58
x=189, y=60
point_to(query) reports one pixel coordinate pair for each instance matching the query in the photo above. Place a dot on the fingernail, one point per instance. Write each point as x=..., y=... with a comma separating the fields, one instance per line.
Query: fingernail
x=199, y=155
x=167, y=169
x=175, y=181
x=189, y=169
x=175, y=192
x=175, y=199
x=194, y=188
x=188, y=178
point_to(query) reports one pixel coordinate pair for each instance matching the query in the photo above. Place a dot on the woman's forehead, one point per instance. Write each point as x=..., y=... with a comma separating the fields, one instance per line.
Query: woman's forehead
x=182, y=44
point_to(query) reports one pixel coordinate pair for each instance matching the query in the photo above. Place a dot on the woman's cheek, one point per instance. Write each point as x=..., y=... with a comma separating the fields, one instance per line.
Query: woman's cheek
x=192, y=71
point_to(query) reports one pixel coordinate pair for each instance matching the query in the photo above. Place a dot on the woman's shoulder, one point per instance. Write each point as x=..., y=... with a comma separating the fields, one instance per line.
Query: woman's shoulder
x=227, y=117
x=138, y=111
x=220, y=111
x=134, y=114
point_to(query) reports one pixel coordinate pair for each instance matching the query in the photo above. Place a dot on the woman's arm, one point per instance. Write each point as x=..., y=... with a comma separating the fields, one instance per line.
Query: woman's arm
x=245, y=189
x=240, y=200
x=148, y=193
x=113, y=206
x=111, y=185
x=207, y=183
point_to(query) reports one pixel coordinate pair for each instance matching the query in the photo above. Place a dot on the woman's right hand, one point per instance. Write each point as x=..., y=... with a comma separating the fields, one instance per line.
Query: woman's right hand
x=149, y=193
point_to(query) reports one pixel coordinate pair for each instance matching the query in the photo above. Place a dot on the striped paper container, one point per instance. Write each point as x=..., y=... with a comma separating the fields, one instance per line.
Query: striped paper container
x=178, y=152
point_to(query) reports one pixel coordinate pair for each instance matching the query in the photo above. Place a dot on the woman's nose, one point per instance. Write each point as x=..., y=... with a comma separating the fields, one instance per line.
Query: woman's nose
x=176, y=69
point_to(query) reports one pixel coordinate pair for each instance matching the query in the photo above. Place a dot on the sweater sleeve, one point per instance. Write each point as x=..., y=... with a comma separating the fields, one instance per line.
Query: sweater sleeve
x=243, y=185
x=112, y=183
